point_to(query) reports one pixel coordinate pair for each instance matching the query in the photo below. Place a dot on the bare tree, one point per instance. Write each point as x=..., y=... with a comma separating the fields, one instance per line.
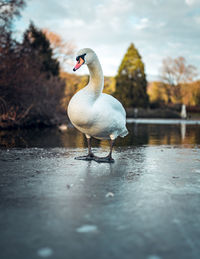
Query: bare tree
x=174, y=73
x=9, y=9
x=62, y=50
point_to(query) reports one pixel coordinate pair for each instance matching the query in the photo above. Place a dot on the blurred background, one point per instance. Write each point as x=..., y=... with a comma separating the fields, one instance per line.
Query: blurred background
x=146, y=204
x=149, y=52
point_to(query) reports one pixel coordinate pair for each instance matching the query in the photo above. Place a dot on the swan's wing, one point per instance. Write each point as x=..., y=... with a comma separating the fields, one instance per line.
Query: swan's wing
x=107, y=101
x=110, y=115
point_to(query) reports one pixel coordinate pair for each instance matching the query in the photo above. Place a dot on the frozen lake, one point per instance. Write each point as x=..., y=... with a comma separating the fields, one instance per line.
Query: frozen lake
x=145, y=205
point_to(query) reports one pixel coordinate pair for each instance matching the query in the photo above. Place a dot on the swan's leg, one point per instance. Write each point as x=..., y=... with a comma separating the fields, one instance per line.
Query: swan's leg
x=90, y=155
x=108, y=158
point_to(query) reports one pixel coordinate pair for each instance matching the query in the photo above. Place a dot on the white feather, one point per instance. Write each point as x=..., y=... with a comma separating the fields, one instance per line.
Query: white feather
x=94, y=113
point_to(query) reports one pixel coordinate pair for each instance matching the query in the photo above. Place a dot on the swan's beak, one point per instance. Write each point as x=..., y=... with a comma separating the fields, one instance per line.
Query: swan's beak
x=79, y=63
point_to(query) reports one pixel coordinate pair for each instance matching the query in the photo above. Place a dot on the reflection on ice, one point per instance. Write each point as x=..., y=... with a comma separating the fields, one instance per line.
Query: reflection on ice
x=141, y=132
x=183, y=130
x=87, y=229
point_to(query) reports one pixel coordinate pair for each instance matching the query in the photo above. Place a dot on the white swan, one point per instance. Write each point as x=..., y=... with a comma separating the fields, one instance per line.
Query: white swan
x=94, y=113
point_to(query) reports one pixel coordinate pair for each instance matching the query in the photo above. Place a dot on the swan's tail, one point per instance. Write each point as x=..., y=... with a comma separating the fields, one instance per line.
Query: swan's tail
x=124, y=133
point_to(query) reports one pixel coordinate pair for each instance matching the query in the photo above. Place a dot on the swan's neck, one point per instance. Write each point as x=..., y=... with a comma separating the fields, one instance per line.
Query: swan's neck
x=96, y=81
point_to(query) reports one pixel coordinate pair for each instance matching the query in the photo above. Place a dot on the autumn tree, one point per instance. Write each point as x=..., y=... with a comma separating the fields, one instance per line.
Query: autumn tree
x=191, y=93
x=63, y=50
x=109, y=85
x=156, y=93
x=174, y=73
x=131, y=81
x=196, y=92
x=73, y=83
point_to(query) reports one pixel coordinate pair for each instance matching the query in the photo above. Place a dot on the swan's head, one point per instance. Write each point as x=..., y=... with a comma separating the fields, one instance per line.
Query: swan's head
x=84, y=56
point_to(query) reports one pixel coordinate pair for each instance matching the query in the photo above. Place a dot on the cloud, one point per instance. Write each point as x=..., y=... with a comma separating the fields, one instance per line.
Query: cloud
x=190, y=2
x=158, y=28
x=143, y=24
x=197, y=19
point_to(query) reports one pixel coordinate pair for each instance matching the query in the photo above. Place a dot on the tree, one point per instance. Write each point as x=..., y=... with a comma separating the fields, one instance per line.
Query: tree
x=30, y=90
x=156, y=93
x=174, y=73
x=36, y=41
x=131, y=84
x=191, y=93
x=8, y=10
x=109, y=85
x=62, y=50
x=196, y=92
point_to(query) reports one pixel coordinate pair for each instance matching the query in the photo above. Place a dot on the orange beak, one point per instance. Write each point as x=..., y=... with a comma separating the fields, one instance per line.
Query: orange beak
x=79, y=63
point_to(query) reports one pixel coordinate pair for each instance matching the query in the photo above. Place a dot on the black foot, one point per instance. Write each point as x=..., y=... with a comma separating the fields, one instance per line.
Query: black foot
x=86, y=158
x=106, y=159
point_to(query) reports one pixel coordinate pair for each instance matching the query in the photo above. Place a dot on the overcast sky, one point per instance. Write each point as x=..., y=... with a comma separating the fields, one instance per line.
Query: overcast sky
x=158, y=28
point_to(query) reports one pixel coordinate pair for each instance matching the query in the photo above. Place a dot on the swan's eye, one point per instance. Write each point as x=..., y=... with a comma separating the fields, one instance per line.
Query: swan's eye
x=81, y=56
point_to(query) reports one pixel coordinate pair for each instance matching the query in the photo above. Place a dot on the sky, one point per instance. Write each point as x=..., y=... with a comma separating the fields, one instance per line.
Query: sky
x=158, y=28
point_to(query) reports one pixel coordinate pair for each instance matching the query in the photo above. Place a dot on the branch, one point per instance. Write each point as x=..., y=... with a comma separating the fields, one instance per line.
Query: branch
x=22, y=116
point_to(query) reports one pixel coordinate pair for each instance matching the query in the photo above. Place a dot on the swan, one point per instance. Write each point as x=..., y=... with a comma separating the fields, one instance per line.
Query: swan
x=94, y=113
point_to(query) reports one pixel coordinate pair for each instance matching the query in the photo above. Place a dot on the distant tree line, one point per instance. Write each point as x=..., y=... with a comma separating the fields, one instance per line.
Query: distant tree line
x=34, y=89
x=176, y=84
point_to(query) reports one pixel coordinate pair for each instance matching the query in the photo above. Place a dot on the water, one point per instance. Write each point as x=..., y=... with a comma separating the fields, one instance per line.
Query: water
x=142, y=132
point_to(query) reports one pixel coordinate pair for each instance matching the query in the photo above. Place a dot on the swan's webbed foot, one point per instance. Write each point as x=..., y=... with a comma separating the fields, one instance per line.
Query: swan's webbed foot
x=88, y=157
x=107, y=159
